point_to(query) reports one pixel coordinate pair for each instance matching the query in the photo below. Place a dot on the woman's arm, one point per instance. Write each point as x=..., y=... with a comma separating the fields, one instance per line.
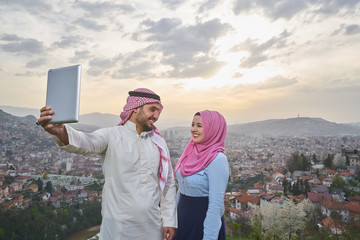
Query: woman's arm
x=218, y=175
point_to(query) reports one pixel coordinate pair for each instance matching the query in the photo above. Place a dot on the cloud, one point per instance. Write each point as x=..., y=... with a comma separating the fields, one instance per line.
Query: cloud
x=172, y=4
x=80, y=56
x=352, y=29
x=260, y=52
x=237, y=75
x=276, y=82
x=208, y=5
x=36, y=63
x=20, y=45
x=90, y=24
x=100, y=66
x=200, y=67
x=274, y=9
x=69, y=41
x=132, y=71
x=332, y=7
x=181, y=45
x=103, y=9
x=37, y=7
x=137, y=65
x=10, y=37
x=287, y=9
x=30, y=74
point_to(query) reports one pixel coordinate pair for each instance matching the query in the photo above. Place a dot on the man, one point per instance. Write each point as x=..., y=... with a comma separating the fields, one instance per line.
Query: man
x=139, y=191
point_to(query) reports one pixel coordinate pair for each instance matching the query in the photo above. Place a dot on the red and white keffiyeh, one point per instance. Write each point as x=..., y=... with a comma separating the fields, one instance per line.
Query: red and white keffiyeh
x=133, y=102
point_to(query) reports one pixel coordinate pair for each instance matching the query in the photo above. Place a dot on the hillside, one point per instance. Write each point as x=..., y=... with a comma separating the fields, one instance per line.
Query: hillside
x=301, y=126
x=22, y=132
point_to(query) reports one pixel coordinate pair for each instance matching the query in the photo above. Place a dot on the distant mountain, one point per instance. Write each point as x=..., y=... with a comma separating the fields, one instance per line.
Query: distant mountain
x=99, y=119
x=95, y=119
x=21, y=111
x=355, y=124
x=301, y=126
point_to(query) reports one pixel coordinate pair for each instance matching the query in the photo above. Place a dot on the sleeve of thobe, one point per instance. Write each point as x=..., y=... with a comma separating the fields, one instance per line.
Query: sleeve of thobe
x=168, y=202
x=218, y=174
x=84, y=143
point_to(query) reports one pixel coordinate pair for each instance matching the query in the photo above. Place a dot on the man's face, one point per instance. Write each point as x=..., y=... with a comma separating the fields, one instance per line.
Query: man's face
x=146, y=116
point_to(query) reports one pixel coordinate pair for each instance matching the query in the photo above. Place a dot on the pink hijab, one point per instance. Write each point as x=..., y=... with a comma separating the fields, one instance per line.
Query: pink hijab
x=198, y=156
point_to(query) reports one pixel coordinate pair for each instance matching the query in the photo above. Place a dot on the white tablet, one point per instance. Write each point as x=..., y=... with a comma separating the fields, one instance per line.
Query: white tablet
x=63, y=93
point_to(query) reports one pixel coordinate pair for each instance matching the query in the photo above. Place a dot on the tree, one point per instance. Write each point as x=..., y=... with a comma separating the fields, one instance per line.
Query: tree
x=296, y=191
x=314, y=158
x=45, y=176
x=328, y=161
x=40, y=184
x=338, y=182
x=339, y=160
x=307, y=187
x=298, y=162
x=235, y=229
x=281, y=223
x=286, y=186
x=48, y=187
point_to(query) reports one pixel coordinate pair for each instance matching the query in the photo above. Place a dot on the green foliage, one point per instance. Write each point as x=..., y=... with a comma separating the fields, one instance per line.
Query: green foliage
x=243, y=184
x=236, y=229
x=314, y=158
x=40, y=184
x=328, y=161
x=240, y=228
x=49, y=187
x=46, y=223
x=45, y=176
x=8, y=180
x=95, y=186
x=338, y=182
x=298, y=162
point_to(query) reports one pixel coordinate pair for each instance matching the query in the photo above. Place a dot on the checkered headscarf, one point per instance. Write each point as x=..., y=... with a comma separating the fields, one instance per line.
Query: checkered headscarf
x=133, y=102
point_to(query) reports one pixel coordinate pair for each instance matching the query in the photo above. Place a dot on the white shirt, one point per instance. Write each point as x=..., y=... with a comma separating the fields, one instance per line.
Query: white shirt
x=132, y=204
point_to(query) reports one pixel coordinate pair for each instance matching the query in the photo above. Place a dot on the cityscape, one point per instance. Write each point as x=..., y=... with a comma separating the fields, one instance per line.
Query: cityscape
x=320, y=170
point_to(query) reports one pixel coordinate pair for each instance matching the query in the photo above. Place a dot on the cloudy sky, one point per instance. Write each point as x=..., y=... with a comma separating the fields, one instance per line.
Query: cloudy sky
x=250, y=60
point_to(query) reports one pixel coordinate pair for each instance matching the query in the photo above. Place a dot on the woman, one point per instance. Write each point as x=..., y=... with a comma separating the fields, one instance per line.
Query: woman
x=202, y=173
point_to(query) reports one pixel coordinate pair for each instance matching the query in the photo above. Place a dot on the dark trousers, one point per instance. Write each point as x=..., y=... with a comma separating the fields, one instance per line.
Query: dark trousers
x=191, y=216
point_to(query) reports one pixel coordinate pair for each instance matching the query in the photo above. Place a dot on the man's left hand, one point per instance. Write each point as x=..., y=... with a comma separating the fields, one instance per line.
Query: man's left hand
x=169, y=233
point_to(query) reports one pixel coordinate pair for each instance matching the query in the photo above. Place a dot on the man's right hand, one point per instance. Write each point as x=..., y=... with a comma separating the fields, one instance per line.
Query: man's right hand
x=58, y=130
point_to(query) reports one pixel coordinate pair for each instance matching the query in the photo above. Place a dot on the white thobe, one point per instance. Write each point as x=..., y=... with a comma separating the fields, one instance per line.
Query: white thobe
x=133, y=206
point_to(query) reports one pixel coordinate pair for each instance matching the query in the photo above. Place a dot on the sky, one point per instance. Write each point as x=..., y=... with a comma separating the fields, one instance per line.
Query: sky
x=249, y=60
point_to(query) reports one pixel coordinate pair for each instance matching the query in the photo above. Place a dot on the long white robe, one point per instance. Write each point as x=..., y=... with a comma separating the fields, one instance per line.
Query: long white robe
x=133, y=206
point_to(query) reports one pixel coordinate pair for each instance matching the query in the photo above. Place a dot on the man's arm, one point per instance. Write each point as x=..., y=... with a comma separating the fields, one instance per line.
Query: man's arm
x=168, y=204
x=57, y=130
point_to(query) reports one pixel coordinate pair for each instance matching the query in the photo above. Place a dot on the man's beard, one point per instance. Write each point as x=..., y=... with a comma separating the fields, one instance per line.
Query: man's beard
x=146, y=127
x=142, y=121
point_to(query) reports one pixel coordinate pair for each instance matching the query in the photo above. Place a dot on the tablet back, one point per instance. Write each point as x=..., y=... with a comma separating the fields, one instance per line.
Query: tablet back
x=63, y=93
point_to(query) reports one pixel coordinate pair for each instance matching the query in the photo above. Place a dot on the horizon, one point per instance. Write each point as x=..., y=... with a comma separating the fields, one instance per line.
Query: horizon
x=22, y=112
x=251, y=61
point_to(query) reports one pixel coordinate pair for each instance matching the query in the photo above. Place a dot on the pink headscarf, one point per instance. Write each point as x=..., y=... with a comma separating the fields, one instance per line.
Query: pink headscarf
x=138, y=98
x=198, y=156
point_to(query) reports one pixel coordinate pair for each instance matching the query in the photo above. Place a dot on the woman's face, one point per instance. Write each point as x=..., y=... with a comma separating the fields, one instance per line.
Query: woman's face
x=197, y=130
